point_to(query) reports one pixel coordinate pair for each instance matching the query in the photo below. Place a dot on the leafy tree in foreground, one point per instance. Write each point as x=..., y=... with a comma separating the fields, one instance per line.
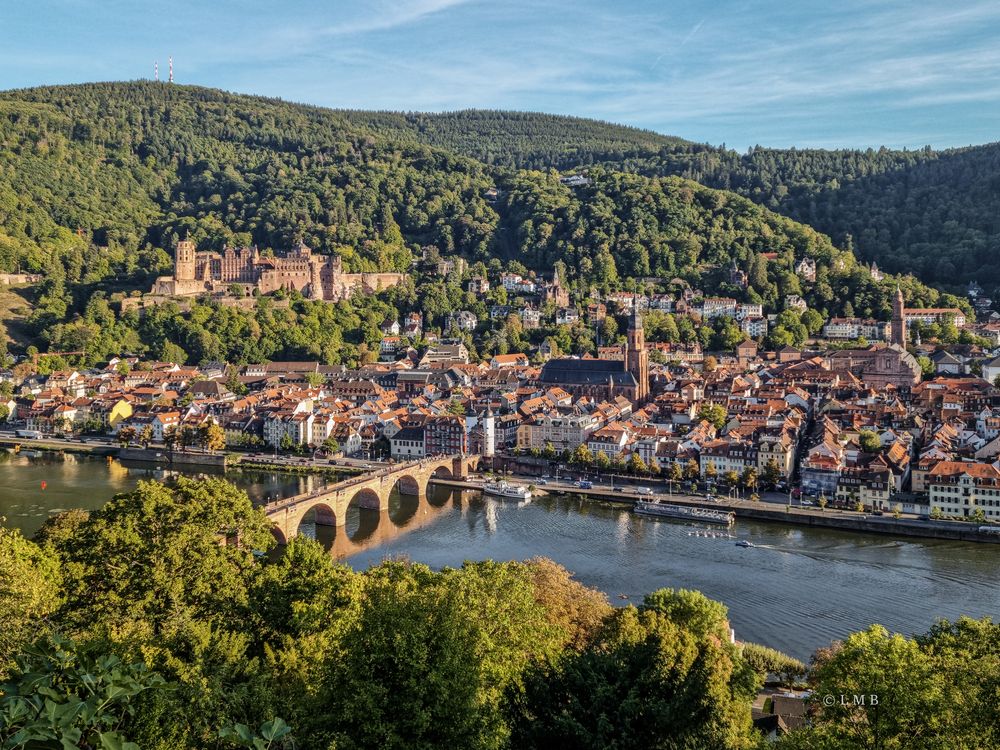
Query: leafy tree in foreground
x=646, y=682
x=64, y=695
x=29, y=592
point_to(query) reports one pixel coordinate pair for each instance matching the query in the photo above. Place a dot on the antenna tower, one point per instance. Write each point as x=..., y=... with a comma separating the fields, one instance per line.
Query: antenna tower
x=156, y=70
x=171, y=61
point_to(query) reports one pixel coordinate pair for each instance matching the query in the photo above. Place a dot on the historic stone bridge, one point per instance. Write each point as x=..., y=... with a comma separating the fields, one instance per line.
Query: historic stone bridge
x=371, y=491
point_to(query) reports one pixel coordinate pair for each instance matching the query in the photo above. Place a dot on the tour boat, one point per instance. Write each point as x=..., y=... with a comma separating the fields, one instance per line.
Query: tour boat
x=745, y=543
x=504, y=489
x=684, y=512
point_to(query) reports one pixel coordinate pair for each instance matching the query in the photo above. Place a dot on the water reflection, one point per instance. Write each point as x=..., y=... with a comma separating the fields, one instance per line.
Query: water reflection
x=367, y=529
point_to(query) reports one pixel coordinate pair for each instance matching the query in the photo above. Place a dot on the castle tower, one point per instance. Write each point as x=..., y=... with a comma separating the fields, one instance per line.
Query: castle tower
x=898, y=328
x=636, y=356
x=489, y=433
x=184, y=261
x=315, y=278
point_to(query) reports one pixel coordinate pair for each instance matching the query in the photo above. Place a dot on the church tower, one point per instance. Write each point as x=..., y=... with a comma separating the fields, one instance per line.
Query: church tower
x=636, y=356
x=898, y=327
x=184, y=261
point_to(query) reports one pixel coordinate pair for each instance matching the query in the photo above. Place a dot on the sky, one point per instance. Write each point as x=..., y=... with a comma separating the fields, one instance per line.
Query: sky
x=781, y=73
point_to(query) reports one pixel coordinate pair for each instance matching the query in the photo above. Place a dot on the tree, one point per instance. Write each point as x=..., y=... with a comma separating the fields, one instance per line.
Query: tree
x=710, y=471
x=315, y=379
x=636, y=465
x=178, y=571
x=714, y=414
x=766, y=661
x=731, y=478
x=126, y=435
x=582, y=456
x=234, y=384
x=146, y=436
x=601, y=461
x=632, y=688
x=403, y=662
x=214, y=438
x=331, y=445
x=64, y=695
x=170, y=352
x=675, y=473
x=692, y=470
x=822, y=502
x=772, y=472
x=903, y=692
x=869, y=441
x=29, y=592
x=286, y=443
x=749, y=478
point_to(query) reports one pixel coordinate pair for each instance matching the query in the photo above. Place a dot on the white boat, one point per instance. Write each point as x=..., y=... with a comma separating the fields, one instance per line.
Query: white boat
x=684, y=512
x=504, y=489
x=745, y=543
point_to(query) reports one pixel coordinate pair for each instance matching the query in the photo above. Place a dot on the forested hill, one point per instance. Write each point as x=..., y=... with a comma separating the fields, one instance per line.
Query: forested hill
x=935, y=213
x=521, y=140
x=98, y=182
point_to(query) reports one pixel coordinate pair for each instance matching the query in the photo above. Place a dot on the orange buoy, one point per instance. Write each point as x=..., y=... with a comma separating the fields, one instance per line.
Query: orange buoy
x=44, y=485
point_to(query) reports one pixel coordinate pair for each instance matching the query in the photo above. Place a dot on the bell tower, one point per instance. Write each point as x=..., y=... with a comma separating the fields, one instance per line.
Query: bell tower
x=184, y=261
x=636, y=356
x=898, y=326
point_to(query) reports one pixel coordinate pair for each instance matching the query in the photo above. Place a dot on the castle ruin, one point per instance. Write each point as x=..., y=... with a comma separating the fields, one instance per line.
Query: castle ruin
x=319, y=277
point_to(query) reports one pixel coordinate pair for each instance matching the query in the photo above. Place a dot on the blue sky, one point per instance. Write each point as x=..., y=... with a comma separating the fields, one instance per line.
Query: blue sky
x=740, y=72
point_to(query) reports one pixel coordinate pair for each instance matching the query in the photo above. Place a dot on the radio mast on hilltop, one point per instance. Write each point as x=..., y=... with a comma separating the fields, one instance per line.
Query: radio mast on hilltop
x=156, y=70
x=171, y=61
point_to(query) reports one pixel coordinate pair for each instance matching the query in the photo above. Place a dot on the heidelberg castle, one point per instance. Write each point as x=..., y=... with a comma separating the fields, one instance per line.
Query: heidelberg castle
x=319, y=277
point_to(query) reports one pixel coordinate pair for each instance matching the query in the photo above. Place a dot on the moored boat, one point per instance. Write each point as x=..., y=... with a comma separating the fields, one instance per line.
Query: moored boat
x=505, y=489
x=684, y=512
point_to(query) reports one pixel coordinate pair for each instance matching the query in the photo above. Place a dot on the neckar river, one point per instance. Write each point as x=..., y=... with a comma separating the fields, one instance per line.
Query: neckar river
x=798, y=589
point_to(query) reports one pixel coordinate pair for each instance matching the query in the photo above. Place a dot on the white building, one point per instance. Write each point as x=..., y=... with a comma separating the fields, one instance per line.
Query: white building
x=960, y=488
x=853, y=328
x=718, y=307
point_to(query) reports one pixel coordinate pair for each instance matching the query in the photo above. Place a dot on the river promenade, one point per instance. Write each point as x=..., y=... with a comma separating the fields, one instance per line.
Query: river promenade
x=832, y=518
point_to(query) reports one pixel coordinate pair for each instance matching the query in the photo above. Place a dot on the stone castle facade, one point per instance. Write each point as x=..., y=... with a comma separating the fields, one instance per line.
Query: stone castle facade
x=319, y=277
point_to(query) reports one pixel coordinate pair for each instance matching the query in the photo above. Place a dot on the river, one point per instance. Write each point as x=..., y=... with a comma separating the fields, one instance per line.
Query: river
x=798, y=589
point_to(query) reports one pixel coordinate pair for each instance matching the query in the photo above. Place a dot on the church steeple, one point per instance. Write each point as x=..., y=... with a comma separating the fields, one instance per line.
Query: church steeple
x=636, y=356
x=898, y=325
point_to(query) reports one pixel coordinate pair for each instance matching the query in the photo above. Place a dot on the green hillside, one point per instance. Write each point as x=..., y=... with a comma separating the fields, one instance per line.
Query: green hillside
x=97, y=183
x=933, y=213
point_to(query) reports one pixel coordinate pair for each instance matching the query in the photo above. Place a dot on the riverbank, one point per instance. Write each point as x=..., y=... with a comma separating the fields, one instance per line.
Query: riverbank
x=59, y=446
x=843, y=520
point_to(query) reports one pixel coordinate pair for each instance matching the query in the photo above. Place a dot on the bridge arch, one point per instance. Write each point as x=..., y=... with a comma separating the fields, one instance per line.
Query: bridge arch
x=321, y=514
x=442, y=472
x=408, y=484
x=367, y=498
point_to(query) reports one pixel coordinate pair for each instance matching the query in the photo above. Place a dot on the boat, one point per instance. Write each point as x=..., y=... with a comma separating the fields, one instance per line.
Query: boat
x=505, y=489
x=745, y=543
x=684, y=512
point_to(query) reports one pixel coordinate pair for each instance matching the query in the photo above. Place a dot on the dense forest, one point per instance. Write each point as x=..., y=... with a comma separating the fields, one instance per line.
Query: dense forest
x=135, y=626
x=933, y=213
x=97, y=183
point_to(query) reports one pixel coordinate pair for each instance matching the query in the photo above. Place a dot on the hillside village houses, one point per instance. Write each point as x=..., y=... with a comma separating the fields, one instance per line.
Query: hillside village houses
x=806, y=416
